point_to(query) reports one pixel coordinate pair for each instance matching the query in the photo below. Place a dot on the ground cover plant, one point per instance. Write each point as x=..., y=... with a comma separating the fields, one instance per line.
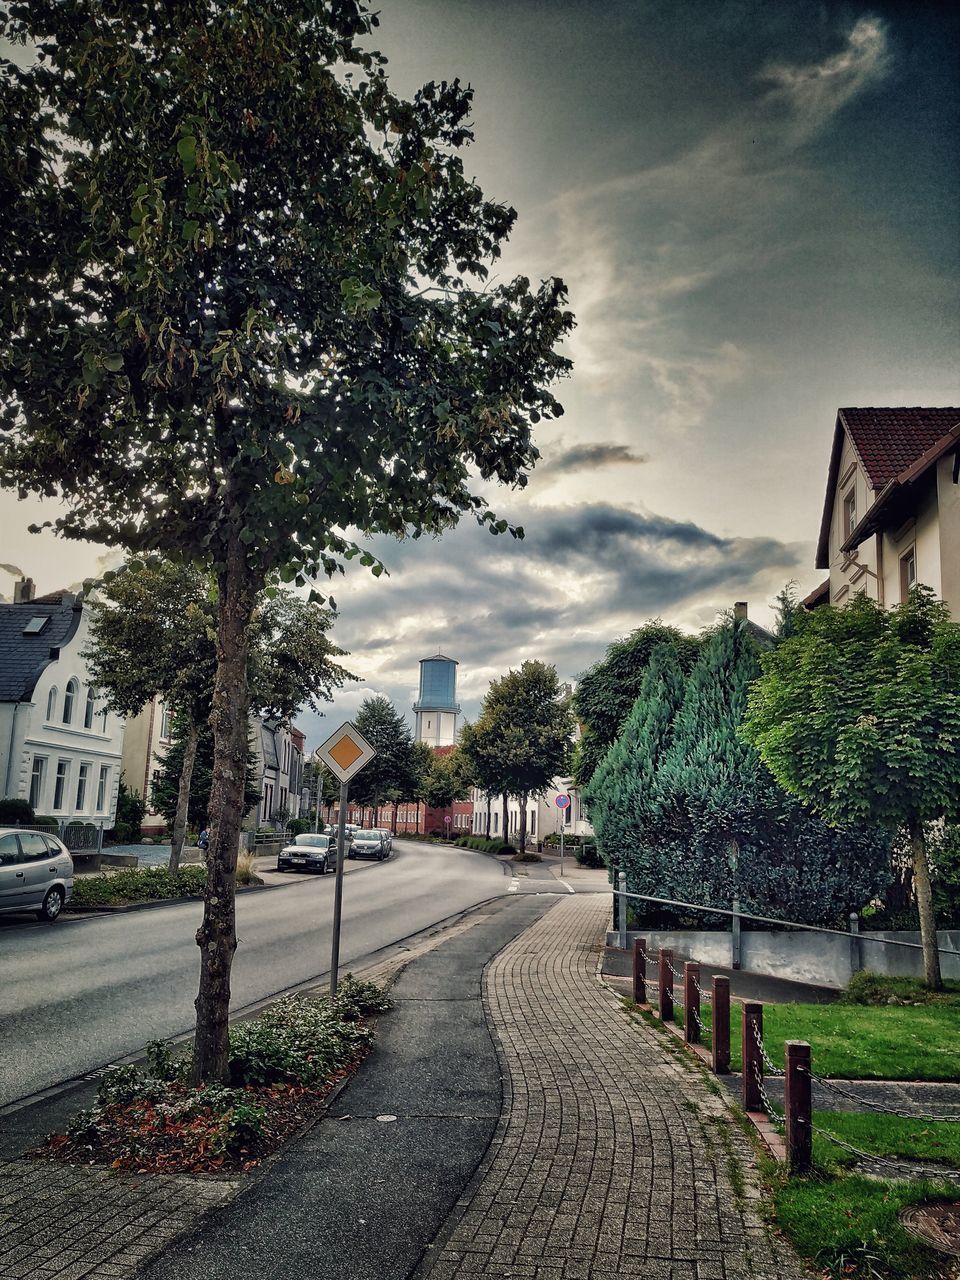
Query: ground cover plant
x=283, y=1064
x=151, y=884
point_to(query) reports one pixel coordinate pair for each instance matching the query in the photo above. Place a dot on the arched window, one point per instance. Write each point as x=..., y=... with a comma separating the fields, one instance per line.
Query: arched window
x=52, y=703
x=89, y=709
x=70, y=693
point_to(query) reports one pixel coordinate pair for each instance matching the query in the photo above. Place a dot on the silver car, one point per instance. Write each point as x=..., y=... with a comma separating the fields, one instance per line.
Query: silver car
x=36, y=873
x=387, y=838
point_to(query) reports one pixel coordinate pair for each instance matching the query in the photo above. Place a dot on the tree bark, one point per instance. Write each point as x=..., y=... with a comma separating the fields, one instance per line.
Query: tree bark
x=523, y=822
x=506, y=818
x=393, y=822
x=183, y=796
x=928, y=920
x=216, y=937
x=489, y=814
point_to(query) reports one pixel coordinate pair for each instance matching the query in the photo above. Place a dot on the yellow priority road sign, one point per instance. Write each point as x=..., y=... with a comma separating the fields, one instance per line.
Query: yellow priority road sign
x=346, y=752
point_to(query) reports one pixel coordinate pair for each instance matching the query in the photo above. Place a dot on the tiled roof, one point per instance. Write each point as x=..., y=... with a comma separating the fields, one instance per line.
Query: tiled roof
x=888, y=441
x=22, y=658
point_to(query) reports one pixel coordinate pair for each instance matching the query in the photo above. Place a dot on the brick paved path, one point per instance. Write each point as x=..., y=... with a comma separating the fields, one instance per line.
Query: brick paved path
x=68, y=1222
x=611, y=1158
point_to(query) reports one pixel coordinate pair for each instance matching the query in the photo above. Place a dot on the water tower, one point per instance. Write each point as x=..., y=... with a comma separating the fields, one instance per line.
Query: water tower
x=436, y=708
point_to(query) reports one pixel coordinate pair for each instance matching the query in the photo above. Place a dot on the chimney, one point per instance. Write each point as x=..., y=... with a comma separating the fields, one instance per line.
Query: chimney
x=740, y=611
x=23, y=591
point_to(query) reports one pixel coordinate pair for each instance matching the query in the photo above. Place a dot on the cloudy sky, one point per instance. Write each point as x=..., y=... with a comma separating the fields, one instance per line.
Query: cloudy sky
x=756, y=209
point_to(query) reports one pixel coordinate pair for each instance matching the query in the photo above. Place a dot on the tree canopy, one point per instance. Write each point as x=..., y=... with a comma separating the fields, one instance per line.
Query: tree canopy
x=247, y=311
x=607, y=691
x=858, y=714
x=388, y=776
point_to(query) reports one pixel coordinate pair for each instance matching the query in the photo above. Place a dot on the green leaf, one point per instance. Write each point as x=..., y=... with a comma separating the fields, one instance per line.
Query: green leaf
x=113, y=362
x=187, y=151
x=190, y=229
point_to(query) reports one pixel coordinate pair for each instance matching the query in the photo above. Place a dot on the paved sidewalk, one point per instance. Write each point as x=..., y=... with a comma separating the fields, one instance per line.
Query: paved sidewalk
x=610, y=1159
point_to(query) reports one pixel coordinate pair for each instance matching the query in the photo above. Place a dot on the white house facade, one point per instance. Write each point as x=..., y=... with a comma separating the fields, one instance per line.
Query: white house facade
x=544, y=816
x=60, y=746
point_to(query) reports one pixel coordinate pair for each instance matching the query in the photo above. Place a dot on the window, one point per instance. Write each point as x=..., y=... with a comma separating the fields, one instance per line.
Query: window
x=82, y=779
x=36, y=625
x=104, y=713
x=36, y=781
x=89, y=708
x=102, y=788
x=33, y=846
x=60, y=784
x=70, y=693
x=496, y=822
x=849, y=511
x=52, y=703
x=908, y=572
x=533, y=822
x=9, y=851
x=165, y=724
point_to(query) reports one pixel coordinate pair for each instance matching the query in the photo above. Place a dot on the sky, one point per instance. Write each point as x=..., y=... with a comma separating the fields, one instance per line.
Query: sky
x=756, y=209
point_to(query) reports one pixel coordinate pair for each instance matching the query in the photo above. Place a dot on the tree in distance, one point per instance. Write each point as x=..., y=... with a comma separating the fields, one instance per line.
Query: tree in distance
x=858, y=714
x=167, y=786
x=152, y=634
x=526, y=719
x=387, y=775
x=242, y=319
x=445, y=780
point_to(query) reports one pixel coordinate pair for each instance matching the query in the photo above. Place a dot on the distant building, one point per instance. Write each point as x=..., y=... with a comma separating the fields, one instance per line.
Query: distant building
x=60, y=745
x=436, y=709
x=279, y=752
x=146, y=740
x=891, y=514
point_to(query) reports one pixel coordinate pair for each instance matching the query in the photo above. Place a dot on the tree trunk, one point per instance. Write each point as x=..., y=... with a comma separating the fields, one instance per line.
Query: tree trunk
x=506, y=818
x=928, y=921
x=489, y=813
x=393, y=823
x=183, y=796
x=217, y=937
x=523, y=822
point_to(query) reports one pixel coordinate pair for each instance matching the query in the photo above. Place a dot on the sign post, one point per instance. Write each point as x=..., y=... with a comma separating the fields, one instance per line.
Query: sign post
x=563, y=804
x=344, y=753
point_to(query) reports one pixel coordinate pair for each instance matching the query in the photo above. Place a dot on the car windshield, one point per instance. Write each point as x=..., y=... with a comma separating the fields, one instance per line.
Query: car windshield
x=367, y=835
x=315, y=841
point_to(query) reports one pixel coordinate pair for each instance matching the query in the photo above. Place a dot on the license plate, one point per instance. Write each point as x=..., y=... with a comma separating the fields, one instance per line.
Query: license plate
x=298, y=859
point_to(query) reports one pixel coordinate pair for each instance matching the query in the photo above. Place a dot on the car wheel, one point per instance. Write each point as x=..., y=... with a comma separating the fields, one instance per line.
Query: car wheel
x=52, y=905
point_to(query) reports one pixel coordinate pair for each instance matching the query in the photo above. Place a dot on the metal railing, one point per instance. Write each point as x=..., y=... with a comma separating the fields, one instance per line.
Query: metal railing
x=620, y=892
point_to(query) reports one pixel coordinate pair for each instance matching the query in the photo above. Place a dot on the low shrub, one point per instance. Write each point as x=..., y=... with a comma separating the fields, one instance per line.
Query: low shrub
x=14, y=810
x=526, y=855
x=588, y=855
x=299, y=826
x=484, y=845
x=152, y=884
x=298, y=1040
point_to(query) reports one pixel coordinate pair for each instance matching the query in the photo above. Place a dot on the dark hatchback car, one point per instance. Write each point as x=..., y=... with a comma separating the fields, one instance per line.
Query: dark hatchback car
x=368, y=844
x=309, y=852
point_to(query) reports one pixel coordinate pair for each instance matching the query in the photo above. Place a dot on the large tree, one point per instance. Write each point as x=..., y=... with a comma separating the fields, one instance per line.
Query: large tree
x=482, y=758
x=239, y=317
x=607, y=691
x=528, y=717
x=152, y=635
x=858, y=714
x=388, y=775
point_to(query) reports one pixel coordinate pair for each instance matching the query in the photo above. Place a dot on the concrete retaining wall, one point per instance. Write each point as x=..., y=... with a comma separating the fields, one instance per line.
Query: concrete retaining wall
x=820, y=958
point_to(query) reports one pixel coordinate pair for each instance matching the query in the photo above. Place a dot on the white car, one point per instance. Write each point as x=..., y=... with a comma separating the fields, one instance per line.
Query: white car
x=36, y=873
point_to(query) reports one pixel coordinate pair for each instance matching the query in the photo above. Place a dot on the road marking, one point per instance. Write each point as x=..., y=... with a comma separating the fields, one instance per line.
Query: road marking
x=567, y=887
x=514, y=885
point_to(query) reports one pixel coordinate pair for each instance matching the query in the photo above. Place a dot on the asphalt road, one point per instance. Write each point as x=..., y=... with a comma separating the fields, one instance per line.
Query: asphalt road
x=87, y=991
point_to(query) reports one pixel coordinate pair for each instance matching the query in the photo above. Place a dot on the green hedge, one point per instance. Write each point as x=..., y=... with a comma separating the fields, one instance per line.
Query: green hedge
x=484, y=845
x=153, y=884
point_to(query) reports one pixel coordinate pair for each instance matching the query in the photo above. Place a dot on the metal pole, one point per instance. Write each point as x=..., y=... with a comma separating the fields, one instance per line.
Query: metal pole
x=561, y=845
x=338, y=890
x=319, y=778
x=622, y=883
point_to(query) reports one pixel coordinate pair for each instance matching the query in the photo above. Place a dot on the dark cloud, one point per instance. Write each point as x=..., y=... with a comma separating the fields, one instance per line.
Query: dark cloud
x=588, y=457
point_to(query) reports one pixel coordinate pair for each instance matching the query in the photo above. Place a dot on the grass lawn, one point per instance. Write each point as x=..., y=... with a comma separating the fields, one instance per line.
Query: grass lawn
x=857, y=1041
x=848, y=1224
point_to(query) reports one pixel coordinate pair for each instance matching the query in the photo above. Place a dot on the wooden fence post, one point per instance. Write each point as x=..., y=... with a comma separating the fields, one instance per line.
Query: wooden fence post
x=720, y=1024
x=665, y=978
x=752, y=1063
x=639, y=971
x=797, y=1106
x=691, y=1002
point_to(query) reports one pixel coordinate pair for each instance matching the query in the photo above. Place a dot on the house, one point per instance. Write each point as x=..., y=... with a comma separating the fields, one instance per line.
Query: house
x=279, y=752
x=60, y=745
x=148, y=736
x=891, y=515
